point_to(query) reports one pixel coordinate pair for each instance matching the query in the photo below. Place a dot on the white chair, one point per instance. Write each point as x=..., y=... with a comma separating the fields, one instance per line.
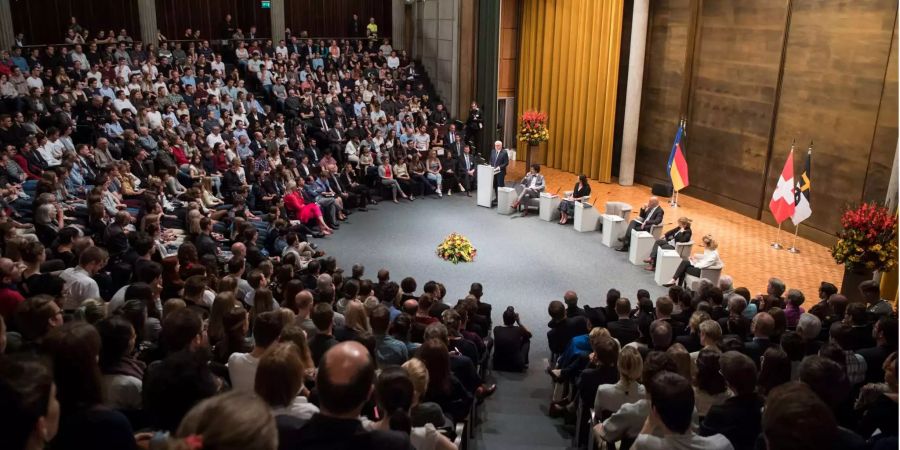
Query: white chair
x=620, y=209
x=614, y=227
x=684, y=249
x=667, y=262
x=505, y=197
x=711, y=274
x=549, y=209
x=656, y=230
x=527, y=202
x=586, y=217
x=640, y=247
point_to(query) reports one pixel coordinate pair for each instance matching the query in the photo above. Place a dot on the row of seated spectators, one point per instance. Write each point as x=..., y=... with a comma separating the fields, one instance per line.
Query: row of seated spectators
x=155, y=227
x=719, y=369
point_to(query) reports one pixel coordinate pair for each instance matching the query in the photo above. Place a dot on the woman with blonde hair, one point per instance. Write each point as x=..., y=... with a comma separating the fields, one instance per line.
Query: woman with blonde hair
x=433, y=169
x=610, y=397
x=692, y=266
x=356, y=326
x=234, y=420
x=279, y=381
x=422, y=413
x=294, y=334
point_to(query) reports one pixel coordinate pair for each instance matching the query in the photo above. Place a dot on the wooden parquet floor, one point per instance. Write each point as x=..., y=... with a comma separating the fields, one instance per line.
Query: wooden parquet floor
x=744, y=243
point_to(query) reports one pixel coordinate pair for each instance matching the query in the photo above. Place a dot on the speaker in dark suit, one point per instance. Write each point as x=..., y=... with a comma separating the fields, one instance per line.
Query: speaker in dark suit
x=651, y=214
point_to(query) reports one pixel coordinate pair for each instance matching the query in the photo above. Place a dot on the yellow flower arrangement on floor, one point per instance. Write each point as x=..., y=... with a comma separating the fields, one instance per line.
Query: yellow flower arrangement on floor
x=456, y=248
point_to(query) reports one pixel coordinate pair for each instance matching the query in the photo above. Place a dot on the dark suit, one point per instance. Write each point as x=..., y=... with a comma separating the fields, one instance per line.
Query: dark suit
x=500, y=160
x=465, y=163
x=329, y=433
x=231, y=184
x=675, y=234
x=625, y=330
x=739, y=326
x=648, y=219
x=563, y=331
x=206, y=245
x=456, y=146
x=738, y=419
x=755, y=348
x=116, y=240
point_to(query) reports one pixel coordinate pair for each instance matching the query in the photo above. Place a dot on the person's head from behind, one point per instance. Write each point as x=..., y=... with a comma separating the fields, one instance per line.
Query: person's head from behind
x=395, y=394
x=775, y=287
x=74, y=349
x=323, y=317
x=826, y=378
x=795, y=418
x=181, y=329
x=234, y=420
x=623, y=307
x=763, y=325
x=630, y=364
x=279, y=375
x=664, y=307
x=557, y=310
x=266, y=328
x=708, y=376
x=30, y=414
x=38, y=315
x=870, y=291
x=657, y=362
x=344, y=380
x=661, y=334
x=774, y=370
x=808, y=327
x=117, y=339
x=380, y=320
x=510, y=316
x=739, y=372
x=671, y=401
x=605, y=350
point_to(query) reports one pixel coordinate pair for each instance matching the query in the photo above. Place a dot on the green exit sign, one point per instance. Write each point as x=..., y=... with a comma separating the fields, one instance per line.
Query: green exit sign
x=265, y=4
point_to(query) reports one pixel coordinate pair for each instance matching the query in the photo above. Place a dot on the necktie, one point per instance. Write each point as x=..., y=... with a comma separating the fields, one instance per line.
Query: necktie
x=325, y=124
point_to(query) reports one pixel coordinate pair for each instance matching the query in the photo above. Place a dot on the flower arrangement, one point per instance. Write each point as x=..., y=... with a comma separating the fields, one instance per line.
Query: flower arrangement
x=456, y=248
x=534, y=128
x=868, y=240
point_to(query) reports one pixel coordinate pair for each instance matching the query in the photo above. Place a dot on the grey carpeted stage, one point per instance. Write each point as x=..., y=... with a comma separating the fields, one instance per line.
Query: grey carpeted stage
x=524, y=262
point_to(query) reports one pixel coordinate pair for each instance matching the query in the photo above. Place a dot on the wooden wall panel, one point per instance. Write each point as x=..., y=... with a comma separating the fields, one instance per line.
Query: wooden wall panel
x=733, y=90
x=837, y=54
x=509, y=47
x=884, y=145
x=173, y=17
x=663, y=81
x=331, y=18
x=46, y=21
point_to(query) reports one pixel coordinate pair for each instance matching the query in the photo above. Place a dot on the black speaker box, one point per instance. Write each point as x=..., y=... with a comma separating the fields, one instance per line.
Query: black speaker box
x=662, y=189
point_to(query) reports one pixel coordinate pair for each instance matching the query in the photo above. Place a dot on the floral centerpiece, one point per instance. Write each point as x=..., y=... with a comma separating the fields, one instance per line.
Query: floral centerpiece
x=868, y=240
x=457, y=248
x=534, y=128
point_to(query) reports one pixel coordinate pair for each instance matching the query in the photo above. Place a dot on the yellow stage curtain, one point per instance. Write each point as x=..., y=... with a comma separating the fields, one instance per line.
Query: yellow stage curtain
x=568, y=68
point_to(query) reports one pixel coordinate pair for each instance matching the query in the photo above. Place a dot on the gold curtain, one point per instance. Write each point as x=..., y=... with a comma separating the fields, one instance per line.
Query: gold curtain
x=568, y=68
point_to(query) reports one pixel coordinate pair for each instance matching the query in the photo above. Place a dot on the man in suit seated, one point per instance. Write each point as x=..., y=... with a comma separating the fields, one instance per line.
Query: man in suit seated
x=624, y=329
x=680, y=234
x=762, y=328
x=530, y=187
x=651, y=214
x=466, y=170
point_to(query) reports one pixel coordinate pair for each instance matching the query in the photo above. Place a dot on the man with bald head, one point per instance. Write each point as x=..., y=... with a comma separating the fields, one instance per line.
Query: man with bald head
x=239, y=250
x=761, y=328
x=345, y=382
x=651, y=214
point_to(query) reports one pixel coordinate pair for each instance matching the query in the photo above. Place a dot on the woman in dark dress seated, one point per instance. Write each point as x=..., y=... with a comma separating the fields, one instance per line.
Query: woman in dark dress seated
x=581, y=191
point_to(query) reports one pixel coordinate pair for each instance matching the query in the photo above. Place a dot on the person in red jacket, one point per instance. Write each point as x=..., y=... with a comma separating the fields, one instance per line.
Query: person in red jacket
x=298, y=209
x=10, y=297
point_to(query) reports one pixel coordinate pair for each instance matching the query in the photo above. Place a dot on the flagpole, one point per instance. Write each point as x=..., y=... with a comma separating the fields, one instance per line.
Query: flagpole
x=674, y=202
x=794, y=248
x=777, y=245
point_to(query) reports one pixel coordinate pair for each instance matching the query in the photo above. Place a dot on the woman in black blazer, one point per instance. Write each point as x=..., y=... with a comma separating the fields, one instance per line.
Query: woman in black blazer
x=567, y=206
x=677, y=235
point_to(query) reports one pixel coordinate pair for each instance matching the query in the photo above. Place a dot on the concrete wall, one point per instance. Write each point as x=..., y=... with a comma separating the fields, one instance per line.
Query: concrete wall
x=436, y=45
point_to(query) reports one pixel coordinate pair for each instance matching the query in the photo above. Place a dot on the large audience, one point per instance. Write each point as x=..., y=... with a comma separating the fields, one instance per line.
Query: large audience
x=163, y=285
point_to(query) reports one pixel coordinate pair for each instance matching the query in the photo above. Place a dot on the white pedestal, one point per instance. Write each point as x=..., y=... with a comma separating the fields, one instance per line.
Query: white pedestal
x=586, y=217
x=613, y=228
x=667, y=262
x=549, y=206
x=640, y=247
x=505, y=197
x=485, y=185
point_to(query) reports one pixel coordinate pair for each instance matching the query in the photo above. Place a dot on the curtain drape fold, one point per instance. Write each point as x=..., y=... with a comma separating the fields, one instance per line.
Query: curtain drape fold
x=568, y=68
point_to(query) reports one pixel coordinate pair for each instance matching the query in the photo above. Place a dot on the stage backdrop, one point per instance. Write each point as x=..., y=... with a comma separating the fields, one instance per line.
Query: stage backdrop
x=568, y=68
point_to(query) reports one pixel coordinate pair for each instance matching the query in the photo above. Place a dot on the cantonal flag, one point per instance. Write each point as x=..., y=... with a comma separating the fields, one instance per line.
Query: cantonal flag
x=782, y=203
x=802, y=207
x=677, y=167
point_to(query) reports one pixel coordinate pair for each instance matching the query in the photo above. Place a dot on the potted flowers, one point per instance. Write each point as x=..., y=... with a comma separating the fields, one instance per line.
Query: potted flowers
x=533, y=131
x=456, y=248
x=866, y=243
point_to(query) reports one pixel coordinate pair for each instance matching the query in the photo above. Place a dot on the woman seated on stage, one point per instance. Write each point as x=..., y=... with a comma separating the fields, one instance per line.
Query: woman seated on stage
x=450, y=180
x=299, y=209
x=387, y=178
x=710, y=258
x=680, y=234
x=582, y=190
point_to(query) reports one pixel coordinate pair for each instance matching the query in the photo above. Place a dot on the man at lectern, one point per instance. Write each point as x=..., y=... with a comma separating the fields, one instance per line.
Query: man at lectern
x=499, y=161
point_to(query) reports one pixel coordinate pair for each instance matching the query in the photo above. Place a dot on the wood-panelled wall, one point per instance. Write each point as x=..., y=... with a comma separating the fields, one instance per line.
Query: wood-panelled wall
x=46, y=21
x=331, y=18
x=509, y=48
x=751, y=77
x=175, y=16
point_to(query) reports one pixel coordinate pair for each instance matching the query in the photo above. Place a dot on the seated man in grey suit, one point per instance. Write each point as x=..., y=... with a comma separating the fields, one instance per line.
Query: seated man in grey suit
x=651, y=214
x=530, y=187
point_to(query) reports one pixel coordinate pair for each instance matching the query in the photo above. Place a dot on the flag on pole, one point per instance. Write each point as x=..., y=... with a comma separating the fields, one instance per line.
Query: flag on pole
x=677, y=167
x=802, y=209
x=782, y=203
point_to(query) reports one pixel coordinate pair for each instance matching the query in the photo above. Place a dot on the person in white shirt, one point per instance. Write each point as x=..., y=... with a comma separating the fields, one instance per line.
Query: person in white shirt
x=79, y=284
x=214, y=137
x=668, y=426
x=34, y=80
x=122, y=102
x=50, y=148
x=692, y=266
x=279, y=381
x=281, y=49
x=242, y=366
x=218, y=65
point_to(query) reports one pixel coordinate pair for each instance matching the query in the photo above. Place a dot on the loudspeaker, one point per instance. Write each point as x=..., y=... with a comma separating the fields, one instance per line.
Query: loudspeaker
x=662, y=189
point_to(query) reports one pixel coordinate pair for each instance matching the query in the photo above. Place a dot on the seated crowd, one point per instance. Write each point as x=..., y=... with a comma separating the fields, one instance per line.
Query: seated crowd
x=156, y=210
x=720, y=369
